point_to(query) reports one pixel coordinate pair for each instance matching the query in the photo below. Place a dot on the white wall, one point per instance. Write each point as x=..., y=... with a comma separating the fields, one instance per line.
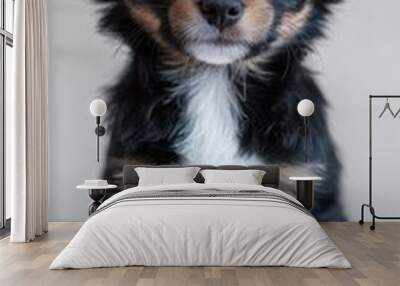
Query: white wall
x=360, y=57
x=81, y=62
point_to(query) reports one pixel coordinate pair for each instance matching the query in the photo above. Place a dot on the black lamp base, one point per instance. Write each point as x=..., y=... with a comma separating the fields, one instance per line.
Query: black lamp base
x=100, y=130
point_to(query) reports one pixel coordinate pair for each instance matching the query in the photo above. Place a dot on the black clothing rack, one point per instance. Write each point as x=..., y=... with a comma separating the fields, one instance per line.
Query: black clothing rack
x=370, y=204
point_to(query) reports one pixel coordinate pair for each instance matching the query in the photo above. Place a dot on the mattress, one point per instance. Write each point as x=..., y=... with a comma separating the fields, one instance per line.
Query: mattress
x=201, y=225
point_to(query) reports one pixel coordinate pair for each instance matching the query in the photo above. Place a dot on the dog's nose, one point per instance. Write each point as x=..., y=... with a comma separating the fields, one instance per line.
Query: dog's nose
x=222, y=13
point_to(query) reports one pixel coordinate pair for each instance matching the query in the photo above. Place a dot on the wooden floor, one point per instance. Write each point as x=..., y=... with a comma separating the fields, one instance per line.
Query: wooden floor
x=375, y=257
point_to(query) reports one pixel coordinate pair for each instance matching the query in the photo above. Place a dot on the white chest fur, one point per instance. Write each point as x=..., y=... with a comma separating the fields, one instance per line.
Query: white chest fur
x=213, y=113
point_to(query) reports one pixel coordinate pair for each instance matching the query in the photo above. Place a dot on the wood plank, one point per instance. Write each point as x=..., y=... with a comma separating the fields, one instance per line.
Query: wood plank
x=375, y=257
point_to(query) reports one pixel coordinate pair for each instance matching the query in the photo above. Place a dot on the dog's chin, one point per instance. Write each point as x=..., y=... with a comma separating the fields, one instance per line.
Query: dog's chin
x=216, y=54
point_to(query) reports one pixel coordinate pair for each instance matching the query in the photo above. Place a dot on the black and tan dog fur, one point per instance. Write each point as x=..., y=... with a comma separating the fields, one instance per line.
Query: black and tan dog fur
x=259, y=57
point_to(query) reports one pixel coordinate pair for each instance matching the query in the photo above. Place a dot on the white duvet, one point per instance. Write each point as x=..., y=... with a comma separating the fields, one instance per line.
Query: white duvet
x=200, y=232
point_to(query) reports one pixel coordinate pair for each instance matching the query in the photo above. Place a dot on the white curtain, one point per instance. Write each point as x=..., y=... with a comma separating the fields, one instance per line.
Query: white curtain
x=26, y=129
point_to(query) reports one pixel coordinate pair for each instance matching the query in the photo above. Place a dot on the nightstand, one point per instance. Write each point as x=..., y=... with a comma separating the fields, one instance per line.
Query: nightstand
x=305, y=190
x=97, y=194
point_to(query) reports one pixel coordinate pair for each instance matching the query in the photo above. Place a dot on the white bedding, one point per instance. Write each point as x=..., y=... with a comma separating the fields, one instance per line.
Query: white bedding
x=191, y=231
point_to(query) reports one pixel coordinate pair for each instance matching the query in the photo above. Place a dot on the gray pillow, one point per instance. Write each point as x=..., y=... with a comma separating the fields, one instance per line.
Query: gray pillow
x=245, y=177
x=166, y=176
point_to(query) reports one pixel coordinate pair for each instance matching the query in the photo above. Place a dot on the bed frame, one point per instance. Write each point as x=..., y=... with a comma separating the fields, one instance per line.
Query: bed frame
x=271, y=178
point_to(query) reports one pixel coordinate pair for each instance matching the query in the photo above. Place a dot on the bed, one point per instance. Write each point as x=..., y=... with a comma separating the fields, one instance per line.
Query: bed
x=201, y=224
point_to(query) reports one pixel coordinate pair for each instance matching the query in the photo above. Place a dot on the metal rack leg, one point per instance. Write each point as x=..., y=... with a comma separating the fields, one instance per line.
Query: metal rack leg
x=361, y=221
x=372, y=210
x=374, y=216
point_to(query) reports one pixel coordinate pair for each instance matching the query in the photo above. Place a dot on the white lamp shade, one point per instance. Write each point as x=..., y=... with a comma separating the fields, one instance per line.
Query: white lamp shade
x=306, y=108
x=98, y=107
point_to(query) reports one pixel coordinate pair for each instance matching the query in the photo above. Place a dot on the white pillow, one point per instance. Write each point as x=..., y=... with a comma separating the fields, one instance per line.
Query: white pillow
x=165, y=176
x=246, y=177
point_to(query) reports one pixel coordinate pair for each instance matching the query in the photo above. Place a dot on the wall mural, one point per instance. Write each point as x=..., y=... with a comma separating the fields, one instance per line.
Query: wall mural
x=218, y=82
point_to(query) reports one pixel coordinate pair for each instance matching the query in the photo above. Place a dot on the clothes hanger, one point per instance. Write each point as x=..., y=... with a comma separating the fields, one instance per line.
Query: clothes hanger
x=397, y=113
x=387, y=107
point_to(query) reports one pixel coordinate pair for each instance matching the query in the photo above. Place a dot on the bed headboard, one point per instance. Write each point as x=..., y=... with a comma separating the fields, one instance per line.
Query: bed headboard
x=271, y=178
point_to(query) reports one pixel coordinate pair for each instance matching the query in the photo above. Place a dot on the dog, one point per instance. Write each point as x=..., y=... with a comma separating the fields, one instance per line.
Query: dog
x=218, y=82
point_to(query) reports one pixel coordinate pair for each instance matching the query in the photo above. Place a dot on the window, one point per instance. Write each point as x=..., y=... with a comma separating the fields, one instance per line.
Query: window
x=6, y=45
